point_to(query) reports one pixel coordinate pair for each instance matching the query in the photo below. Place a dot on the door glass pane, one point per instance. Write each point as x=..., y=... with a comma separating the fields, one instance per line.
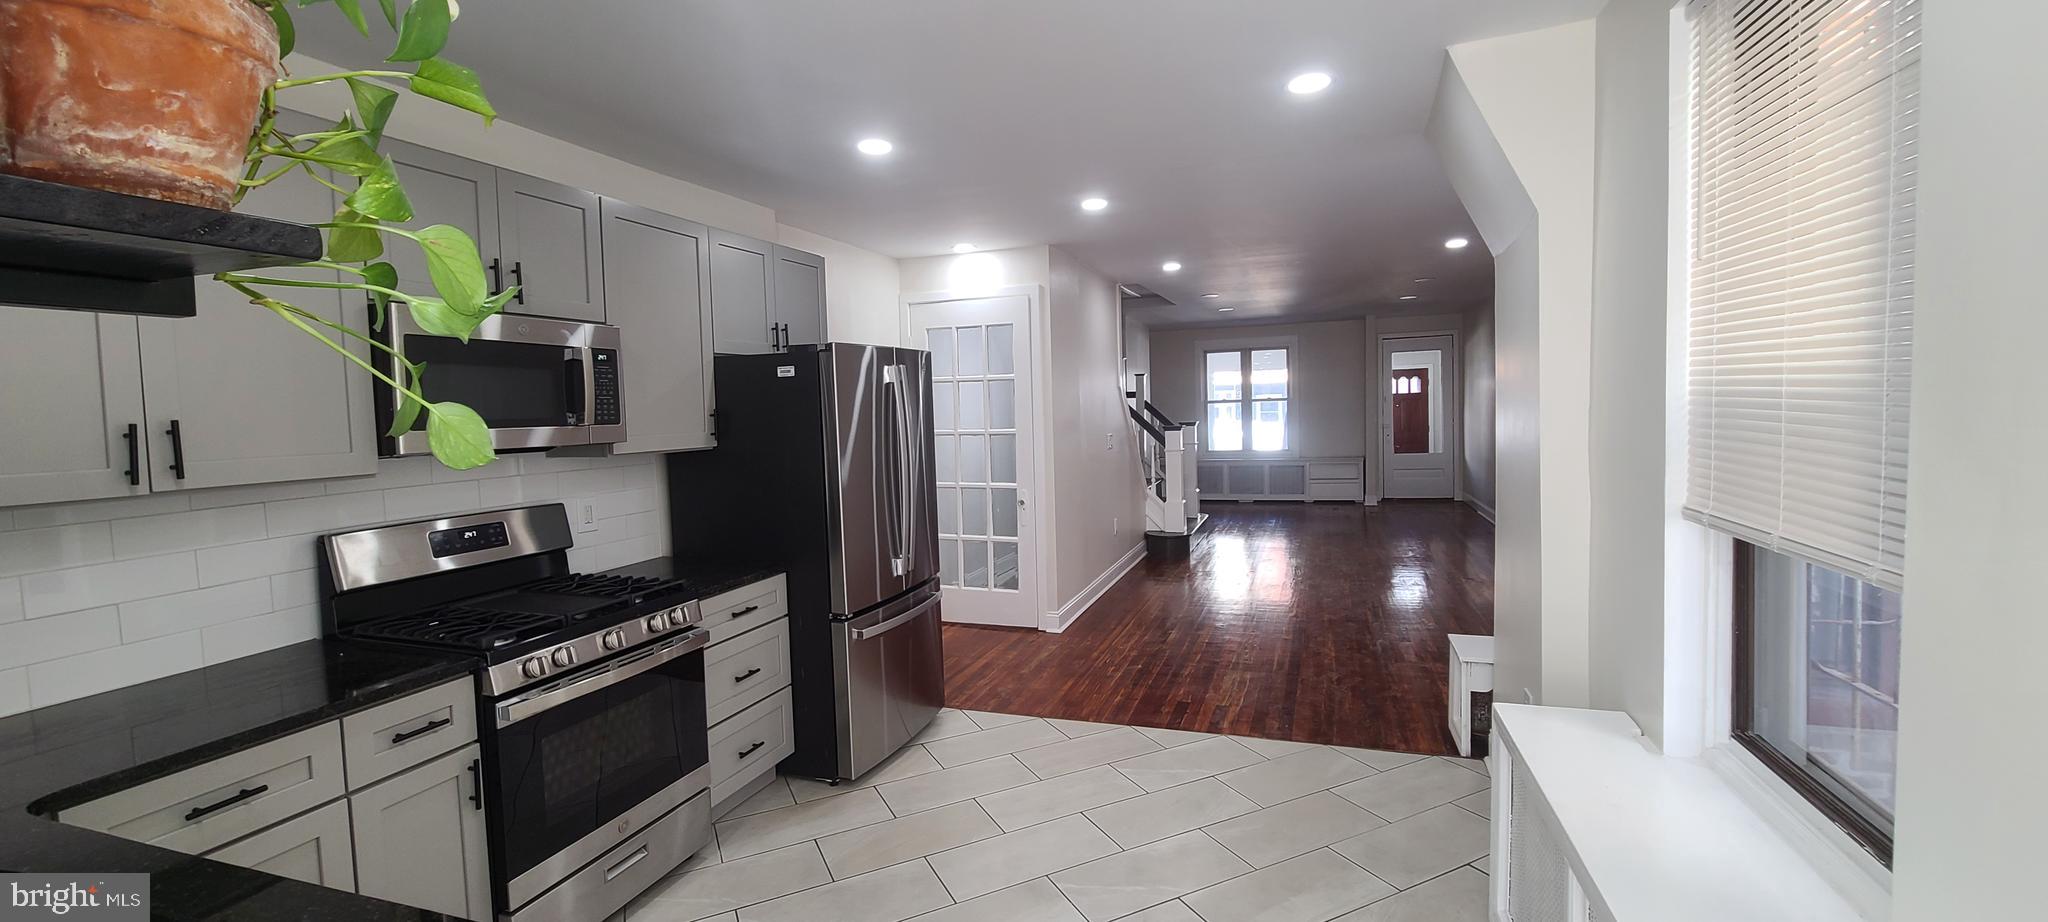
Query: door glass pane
x=1003, y=508
x=1269, y=372
x=949, y=561
x=1225, y=372
x=974, y=564
x=1006, y=565
x=942, y=351
x=942, y=406
x=972, y=358
x=1416, y=413
x=949, y=510
x=973, y=511
x=973, y=459
x=942, y=446
x=1002, y=455
x=1001, y=360
x=1002, y=404
x=1226, y=431
x=972, y=405
x=1269, y=425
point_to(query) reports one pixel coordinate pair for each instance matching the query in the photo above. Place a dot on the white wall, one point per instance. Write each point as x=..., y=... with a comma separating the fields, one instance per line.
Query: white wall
x=1098, y=501
x=1972, y=804
x=1475, y=355
x=1328, y=378
x=863, y=302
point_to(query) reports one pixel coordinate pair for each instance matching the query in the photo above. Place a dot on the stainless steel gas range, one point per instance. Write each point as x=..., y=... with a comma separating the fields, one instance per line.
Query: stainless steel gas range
x=595, y=776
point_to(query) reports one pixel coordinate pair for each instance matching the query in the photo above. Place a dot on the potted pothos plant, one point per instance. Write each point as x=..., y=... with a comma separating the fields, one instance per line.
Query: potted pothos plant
x=155, y=97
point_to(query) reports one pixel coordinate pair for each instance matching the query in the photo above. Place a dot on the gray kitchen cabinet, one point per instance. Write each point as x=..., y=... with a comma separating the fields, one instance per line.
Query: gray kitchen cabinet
x=71, y=393
x=742, y=294
x=658, y=284
x=316, y=848
x=237, y=395
x=444, y=189
x=799, y=296
x=419, y=838
x=549, y=240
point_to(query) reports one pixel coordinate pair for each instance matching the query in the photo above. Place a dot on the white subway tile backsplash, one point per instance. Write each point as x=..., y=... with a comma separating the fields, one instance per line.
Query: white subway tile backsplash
x=52, y=548
x=38, y=639
x=432, y=500
x=256, y=493
x=514, y=491
x=113, y=667
x=54, y=591
x=633, y=550
x=99, y=510
x=496, y=469
x=14, y=697
x=392, y=473
x=548, y=464
x=190, y=611
x=291, y=590
x=236, y=639
x=256, y=558
x=323, y=513
x=183, y=531
x=591, y=482
x=10, y=600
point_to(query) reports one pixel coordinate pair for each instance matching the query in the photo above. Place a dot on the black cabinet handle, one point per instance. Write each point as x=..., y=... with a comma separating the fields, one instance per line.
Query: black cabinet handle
x=497, y=275
x=430, y=727
x=177, y=435
x=750, y=749
x=239, y=796
x=519, y=279
x=134, y=471
x=742, y=677
x=476, y=783
x=745, y=611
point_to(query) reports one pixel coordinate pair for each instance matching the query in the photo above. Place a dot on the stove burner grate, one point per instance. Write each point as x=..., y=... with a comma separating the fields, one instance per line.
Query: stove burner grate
x=465, y=628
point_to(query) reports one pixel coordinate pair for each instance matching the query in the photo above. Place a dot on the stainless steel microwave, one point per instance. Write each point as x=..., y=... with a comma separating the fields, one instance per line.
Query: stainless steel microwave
x=538, y=383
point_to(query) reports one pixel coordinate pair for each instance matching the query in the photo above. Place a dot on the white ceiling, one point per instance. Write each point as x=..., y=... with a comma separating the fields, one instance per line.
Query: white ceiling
x=1004, y=114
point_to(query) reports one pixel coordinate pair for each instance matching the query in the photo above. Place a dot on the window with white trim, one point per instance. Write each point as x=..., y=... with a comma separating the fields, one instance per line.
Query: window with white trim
x=1246, y=393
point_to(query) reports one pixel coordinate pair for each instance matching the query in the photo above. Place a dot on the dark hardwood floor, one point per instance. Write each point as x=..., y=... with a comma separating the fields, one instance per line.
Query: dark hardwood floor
x=1323, y=623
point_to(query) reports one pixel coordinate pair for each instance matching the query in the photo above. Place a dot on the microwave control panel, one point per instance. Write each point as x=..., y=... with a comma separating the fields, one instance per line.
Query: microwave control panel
x=604, y=366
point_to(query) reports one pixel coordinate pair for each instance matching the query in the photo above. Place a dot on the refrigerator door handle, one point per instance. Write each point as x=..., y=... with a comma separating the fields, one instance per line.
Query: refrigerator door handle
x=899, y=559
x=907, y=471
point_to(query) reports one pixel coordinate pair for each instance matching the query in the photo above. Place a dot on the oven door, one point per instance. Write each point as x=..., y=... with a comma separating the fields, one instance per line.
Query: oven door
x=538, y=383
x=583, y=763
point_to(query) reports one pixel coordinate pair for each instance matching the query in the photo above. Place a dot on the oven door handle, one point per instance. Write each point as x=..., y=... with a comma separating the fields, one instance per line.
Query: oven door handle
x=553, y=696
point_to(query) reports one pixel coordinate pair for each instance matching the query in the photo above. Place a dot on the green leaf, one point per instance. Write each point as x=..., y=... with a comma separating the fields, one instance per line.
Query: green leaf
x=383, y=275
x=347, y=150
x=390, y=8
x=455, y=267
x=408, y=408
x=381, y=197
x=433, y=315
x=497, y=302
x=373, y=105
x=424, y=32
x=353, y=244
x=458, y=436
x=453, y=84
x=287, y=36
x=353, y=9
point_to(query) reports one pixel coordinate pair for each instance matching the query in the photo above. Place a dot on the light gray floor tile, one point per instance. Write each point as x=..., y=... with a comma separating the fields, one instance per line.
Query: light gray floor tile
x=1403, y=792
x=1013, y=858
x=1191, y=762
x=889, y=895
x=1175, y=911
x=704, y=858
x=1126, y=882
x=1479, y=802
x=988, y=720
x=726, y=887
x=908, y=762
x=1459, y=896
x=871, y=848
x=985, y=744
x=1420, y=847
x=752, y=835
x=1475, y=765
x=1296, y=827
x=1075, y=729
x=1031, y=901
x=1087, y=752
x=1160, y=814
x=1053, y=798
x=952, y=785
x=1272, y=749
x=1310, y=888
x=657, y=912
x=1381, y=759
x=1283, y=779
x=947, y=723
x=1172, y=738
x=774, y=796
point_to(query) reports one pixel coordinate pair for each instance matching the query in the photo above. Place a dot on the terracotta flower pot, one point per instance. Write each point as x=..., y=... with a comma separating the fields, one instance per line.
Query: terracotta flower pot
x=147, y=97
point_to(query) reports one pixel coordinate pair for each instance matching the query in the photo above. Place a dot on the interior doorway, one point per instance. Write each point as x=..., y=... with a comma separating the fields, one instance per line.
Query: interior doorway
x=1418, y=416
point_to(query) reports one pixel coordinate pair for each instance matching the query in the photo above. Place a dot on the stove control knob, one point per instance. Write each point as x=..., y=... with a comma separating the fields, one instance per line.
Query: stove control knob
x=656, y=624
x=613, y=639
x=677, y=618
x=564, y=656
x=534, y=667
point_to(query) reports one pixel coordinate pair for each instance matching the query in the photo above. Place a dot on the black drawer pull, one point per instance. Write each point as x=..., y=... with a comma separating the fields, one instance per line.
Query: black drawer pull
x=177, y=434
x=750, y=749
x=745, y=611
x=242, y=795
x=429, y=727
x=134, y=471
x=742, y=677
x=476, y=783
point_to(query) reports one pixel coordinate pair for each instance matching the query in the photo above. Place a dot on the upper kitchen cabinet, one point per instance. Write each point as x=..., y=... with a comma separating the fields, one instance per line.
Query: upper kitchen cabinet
x=657, y=280
x=799, y=296
x=237, y=395
x=743, y=294
x=549, y=241
x=444, y=189
x=71, y=393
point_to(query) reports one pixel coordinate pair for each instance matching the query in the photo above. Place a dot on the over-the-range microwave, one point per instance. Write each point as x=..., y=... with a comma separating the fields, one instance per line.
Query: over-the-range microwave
x=538, y=383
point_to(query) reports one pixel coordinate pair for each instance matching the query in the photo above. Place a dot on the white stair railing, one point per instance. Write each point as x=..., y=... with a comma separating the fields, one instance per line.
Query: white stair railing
x=1167, y=453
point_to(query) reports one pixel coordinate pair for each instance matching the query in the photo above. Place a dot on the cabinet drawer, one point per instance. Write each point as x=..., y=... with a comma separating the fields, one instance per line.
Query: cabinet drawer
x=202, y=808
x=745, y=669
x=316, y=848
x=1335, y=470
x=730, y=614
x=750, y=743
x=397, y=735
x=1336, y=489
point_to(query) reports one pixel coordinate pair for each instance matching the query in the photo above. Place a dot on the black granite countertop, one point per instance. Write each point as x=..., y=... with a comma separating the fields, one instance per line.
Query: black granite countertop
x=703, y=579
x=66, y=754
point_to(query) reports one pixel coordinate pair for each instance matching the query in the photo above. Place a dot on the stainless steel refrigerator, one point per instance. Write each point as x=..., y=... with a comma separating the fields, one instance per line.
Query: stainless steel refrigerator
x=824, y=469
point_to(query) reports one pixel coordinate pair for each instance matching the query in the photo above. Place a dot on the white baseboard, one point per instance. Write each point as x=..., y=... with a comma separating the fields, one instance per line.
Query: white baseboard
x=1485, y=511
x=1057, y=621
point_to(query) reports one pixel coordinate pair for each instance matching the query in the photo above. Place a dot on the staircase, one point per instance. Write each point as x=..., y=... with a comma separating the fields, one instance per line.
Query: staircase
x=1167, y=451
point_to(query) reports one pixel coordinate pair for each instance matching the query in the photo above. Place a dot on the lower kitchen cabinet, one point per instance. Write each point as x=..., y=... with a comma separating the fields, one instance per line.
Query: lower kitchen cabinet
x=316, y=848
x=419, y=838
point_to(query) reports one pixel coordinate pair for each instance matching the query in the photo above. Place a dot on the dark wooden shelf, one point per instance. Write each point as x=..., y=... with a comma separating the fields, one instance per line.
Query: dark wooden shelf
x=83, y=249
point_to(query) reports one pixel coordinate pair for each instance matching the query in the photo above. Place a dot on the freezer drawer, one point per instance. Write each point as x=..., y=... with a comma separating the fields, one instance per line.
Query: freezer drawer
x=891, y=678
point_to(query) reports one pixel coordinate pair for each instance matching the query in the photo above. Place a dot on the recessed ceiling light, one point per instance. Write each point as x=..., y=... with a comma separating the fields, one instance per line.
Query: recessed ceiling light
x=1407, y=297
x=1225, y=310
x=1311, y=82
x=1456, y=243
x=1212, y=295
x=1170, y=266
x=874, y=147
x=1094, y=203
x=963, y=248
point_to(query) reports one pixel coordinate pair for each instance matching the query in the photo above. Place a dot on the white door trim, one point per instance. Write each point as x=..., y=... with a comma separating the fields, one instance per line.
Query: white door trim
x=1454, y=417
x=1040, y=509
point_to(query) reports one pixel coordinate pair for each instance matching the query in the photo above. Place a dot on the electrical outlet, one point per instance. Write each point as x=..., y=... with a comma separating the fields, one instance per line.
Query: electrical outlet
x=587, y=519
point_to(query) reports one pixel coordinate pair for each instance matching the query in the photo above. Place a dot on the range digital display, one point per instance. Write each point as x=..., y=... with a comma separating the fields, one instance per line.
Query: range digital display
x=451, y=541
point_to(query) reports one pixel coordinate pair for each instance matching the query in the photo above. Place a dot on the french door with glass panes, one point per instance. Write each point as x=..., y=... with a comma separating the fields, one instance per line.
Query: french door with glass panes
x=981, y=412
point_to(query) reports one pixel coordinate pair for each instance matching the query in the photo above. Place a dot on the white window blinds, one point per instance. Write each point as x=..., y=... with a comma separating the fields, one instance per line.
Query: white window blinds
x=1804, y=135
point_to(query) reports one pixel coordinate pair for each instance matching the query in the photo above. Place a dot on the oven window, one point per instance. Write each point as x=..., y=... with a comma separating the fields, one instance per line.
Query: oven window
x=511, y=385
